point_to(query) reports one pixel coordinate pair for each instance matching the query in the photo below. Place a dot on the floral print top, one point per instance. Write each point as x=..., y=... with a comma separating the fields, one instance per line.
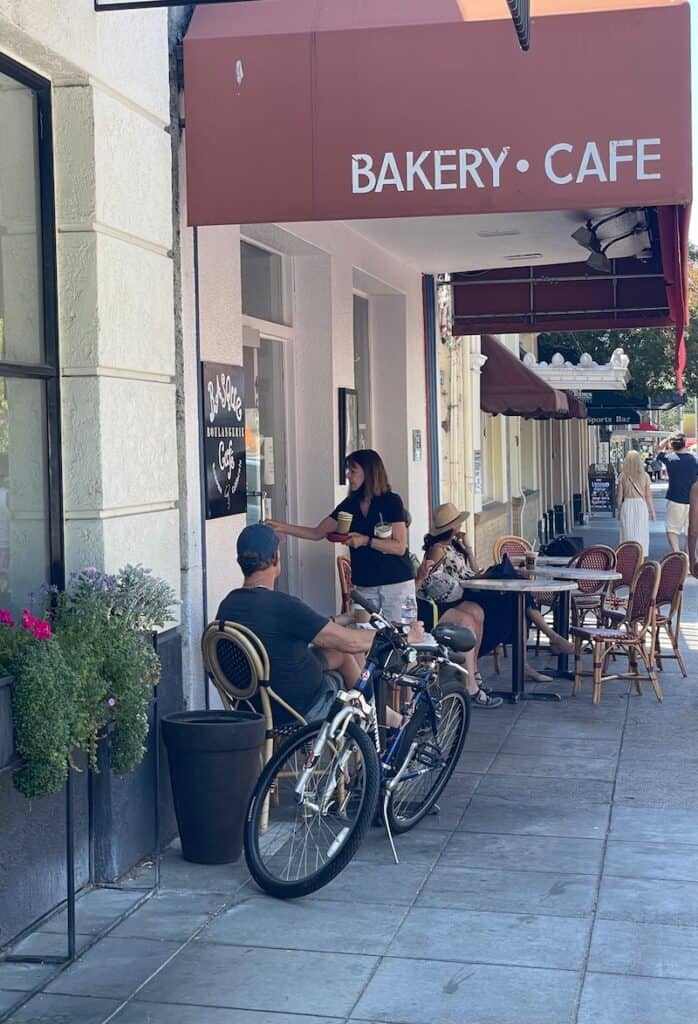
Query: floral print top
x=447, y=579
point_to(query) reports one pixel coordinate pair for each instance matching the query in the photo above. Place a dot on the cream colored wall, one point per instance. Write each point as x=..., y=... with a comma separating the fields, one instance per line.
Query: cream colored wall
x=328, y=261
x=110, y=78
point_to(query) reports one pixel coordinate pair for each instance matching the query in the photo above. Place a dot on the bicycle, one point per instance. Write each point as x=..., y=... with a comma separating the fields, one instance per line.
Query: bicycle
x=318, y=795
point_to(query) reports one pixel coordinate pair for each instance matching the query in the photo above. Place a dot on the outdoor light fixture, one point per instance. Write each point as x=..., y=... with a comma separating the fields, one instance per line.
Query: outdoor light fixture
x=598, y=260
x=521, y=14
x=586, y=234
x=586, y=237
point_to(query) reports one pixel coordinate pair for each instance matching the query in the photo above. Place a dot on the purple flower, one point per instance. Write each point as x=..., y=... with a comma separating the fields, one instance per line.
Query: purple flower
x=111, y=702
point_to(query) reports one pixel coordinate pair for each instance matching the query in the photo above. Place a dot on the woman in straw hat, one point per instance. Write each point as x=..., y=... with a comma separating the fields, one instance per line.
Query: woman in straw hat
x=449, y=563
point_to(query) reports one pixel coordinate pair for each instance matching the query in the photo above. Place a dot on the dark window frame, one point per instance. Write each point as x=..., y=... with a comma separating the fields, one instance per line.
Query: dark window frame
x=48, y=370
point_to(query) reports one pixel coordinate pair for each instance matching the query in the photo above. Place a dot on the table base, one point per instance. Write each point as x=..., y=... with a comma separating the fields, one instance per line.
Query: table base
x=514, y=698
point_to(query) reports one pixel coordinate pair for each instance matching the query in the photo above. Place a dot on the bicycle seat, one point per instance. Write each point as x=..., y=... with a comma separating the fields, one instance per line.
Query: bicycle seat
x=458, y=638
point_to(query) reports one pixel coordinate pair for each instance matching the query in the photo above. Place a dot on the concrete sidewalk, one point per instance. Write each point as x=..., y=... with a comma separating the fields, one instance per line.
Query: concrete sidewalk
x=558, y=885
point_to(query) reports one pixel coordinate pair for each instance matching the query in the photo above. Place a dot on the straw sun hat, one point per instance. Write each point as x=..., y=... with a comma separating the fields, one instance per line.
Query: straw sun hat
x=445, y=517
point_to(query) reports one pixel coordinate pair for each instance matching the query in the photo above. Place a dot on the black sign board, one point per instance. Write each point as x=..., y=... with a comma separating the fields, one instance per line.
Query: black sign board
x=223, y=405
x=602, y=492
x=144, y=5
x=612, y=418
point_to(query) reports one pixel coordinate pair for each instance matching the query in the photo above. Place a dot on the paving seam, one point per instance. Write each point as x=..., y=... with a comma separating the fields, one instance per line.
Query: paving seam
x=585, y=962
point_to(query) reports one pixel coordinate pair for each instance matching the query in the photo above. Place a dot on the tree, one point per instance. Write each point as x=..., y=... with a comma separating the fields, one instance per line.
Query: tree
x=651, y=349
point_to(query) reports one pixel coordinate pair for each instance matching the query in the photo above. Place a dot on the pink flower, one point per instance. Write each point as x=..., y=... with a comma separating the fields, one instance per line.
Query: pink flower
x=6, y=617
x=37, y=627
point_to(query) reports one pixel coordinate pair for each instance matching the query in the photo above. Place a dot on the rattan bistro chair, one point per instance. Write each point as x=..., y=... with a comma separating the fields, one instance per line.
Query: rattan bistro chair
x=238, y=665
x=590, y=595
x=633, y=634
x=345, y=584
x=673, y=572
x=628, y=558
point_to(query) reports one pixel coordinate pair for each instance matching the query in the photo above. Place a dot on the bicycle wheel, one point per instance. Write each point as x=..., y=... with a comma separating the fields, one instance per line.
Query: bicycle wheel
x=294, y=847
x=434, y=759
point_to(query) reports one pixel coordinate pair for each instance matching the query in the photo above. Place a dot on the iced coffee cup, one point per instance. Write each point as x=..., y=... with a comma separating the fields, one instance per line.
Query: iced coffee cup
x=344, y=522
x=531, y=558
x=383, y=531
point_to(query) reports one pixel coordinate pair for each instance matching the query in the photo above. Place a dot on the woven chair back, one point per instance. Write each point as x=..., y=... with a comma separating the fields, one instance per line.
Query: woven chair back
x=643, y=592
x=509, y=546
x=628, y=558
x=672, y=576
x=596, y=557
x=235, y=659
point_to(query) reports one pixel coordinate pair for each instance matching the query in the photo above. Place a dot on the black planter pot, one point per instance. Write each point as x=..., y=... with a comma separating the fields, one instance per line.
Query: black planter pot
x=215, y=758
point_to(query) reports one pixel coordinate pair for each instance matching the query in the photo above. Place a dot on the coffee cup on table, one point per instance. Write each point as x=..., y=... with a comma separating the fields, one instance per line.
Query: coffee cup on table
x=531, y=558
x=344, y=522
x=383, y=531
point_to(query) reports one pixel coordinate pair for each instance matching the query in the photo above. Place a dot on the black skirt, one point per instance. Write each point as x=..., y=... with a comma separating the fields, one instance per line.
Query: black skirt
x=499, y=626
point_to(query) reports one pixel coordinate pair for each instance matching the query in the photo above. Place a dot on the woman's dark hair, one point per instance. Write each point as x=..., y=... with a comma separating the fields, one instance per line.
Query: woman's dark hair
x=375, y=476
x=437, y=538
x=678, y=442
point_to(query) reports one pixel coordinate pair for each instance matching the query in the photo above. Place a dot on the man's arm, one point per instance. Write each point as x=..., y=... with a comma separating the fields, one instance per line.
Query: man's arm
x=334, y=637
x=338, y=638
x=693, y=529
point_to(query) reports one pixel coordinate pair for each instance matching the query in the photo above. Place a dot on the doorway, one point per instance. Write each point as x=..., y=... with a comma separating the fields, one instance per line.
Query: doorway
x=265, y=427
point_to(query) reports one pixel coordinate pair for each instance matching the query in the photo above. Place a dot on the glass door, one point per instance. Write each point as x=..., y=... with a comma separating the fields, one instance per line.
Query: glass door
x=265, y=420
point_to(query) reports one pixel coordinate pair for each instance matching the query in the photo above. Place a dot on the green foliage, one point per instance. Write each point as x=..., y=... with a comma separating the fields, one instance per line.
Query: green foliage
x=43, y=711
x=95, y=672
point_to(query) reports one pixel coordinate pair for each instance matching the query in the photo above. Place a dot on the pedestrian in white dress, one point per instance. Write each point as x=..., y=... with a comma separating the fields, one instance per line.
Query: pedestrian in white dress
x=634, y=502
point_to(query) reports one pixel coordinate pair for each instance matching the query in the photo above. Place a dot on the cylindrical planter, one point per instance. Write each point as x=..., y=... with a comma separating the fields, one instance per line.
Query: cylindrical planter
x=215, y=758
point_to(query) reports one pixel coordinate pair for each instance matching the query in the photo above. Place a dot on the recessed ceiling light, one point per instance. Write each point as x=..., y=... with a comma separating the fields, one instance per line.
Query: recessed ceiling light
x=498, y=233
x=524, y=256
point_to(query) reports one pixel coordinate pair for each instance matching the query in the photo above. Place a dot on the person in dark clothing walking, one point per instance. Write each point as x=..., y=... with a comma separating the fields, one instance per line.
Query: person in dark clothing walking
x=682, y=469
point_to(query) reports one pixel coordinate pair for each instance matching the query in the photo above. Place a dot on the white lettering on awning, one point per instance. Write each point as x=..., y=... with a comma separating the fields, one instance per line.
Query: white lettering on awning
x=487, y=167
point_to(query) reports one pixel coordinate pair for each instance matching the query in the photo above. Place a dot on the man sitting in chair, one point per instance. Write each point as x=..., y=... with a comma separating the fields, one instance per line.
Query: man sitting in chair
x=305, y=677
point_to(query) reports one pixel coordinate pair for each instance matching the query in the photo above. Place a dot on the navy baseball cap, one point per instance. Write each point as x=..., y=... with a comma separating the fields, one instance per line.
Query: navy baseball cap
x=259, y=540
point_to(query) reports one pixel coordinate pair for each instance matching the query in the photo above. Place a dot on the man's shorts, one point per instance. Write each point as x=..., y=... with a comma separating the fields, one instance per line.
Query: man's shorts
x=332, y=683
x=676, y=518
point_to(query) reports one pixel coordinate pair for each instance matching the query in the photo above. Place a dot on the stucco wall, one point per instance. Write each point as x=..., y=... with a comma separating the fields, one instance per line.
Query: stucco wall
x=110, y=78
x=328, y=261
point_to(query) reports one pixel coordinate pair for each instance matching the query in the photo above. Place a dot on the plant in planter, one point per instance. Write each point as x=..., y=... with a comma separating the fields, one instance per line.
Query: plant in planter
x=93, y=674
x=42, y=703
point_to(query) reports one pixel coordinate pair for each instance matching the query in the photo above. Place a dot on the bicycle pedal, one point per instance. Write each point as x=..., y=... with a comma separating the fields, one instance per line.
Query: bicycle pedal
x=428, y=755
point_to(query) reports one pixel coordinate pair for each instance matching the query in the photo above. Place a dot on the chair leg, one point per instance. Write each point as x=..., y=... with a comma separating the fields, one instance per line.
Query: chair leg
x=633, y=669
x=577, y=666
x=674, y=638
x=652, y=674
x=596, y=691
x=495, y=655
x=657, y=648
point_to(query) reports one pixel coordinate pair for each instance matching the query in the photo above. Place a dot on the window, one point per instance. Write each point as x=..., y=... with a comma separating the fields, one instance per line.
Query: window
x=31, y=547
x=362, y=369
x=262, y=284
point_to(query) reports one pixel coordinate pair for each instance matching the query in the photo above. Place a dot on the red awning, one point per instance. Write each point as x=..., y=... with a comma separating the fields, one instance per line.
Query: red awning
x=301, y=110
x=510, y=388
x=578, y=410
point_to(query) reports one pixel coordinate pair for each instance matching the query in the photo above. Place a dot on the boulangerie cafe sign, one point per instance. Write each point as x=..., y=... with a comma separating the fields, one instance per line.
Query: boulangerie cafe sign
x=223, y=404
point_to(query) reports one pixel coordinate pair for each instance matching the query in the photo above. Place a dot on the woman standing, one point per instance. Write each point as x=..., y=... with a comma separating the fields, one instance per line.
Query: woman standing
x=634, y=502
x=381, y=569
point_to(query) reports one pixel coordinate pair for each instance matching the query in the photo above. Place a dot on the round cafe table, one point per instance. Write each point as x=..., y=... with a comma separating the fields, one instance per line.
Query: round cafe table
x=545, y=573
x=520, y=560
x=521, y=587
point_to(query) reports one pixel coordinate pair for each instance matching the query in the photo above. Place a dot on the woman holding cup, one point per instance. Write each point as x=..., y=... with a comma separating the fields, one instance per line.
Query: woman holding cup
x=372, y=521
